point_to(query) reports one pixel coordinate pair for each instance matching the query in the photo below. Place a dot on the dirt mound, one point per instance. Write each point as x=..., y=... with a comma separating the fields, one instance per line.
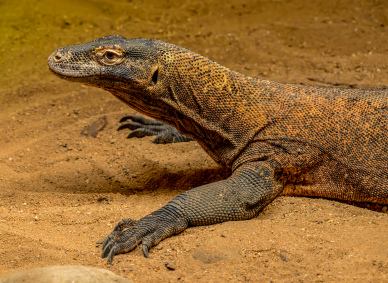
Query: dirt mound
x=63, y=274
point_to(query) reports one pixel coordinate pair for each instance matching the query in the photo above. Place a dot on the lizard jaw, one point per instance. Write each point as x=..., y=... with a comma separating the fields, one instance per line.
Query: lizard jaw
x=62, y=64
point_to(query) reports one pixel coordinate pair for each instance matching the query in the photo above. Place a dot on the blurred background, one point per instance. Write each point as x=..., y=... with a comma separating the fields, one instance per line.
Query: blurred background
x=270, y=38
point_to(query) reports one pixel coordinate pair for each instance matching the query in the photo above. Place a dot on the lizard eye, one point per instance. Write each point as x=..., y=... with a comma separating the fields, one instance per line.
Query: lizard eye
x=110, y=56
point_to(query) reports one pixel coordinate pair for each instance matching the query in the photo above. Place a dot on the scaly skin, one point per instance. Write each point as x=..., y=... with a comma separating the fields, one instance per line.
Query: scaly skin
x=276, y=138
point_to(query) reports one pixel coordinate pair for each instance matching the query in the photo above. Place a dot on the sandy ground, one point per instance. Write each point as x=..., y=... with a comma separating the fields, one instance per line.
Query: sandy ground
x=60, y=191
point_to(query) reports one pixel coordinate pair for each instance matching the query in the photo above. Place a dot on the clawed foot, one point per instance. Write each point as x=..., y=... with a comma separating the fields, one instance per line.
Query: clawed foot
x=141, y=127
x=148, y=232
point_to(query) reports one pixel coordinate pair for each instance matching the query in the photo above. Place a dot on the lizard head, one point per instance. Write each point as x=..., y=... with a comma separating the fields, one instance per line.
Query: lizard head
x=129, y=68
x=106, y=60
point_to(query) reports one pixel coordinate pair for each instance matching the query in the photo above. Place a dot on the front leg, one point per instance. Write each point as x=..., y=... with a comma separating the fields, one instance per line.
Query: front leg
x=141, y=127
x=250, y=188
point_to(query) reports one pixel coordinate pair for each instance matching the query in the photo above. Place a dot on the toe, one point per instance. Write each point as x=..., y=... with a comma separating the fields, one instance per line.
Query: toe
x=130, y=125
x=140, y=133
x=141, y=120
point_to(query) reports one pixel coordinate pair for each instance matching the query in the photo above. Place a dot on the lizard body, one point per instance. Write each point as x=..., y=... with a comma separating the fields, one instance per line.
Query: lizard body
x=276, y=138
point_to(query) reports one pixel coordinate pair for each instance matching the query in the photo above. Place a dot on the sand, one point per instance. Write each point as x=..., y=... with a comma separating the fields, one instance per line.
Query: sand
x=61, y=191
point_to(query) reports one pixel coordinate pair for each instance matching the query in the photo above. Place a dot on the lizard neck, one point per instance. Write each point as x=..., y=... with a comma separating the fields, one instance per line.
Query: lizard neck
x=213, y=104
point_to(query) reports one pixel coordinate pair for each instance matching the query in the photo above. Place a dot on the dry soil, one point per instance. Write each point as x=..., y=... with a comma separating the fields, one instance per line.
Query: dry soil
x=61, y=191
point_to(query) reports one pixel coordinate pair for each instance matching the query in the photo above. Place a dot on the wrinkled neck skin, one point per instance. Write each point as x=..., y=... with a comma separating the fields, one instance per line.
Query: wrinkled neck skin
x=204, y=100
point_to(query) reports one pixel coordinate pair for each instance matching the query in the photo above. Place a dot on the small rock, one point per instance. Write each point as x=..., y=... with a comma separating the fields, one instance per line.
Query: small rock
x=283, y=255
x=103, y=200
x=169, y=265
x=94, y=128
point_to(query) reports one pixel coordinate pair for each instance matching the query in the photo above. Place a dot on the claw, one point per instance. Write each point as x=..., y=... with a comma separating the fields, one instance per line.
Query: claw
x=124, y=126
x=106, y=240
x=148, y=231
x=125, y=118
x=145, y=249
x=140, y=133
x=141, y=127
x=110, y=256
x=140, y=120
x=106, y=250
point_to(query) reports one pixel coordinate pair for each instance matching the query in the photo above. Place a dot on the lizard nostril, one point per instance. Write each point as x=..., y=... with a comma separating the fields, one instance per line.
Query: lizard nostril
x=58, y=57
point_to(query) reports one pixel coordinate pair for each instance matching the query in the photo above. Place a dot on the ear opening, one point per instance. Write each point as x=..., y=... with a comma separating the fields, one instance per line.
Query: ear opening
x=155, y=76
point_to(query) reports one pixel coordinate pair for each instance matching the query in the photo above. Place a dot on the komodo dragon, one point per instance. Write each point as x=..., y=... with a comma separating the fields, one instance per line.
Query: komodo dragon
x=276, y=138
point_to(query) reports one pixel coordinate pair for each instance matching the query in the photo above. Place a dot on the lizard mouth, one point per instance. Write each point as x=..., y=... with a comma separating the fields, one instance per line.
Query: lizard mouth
x=68, y=75
x=62, y=65
x=67, y=71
